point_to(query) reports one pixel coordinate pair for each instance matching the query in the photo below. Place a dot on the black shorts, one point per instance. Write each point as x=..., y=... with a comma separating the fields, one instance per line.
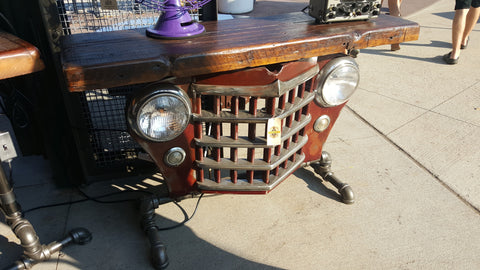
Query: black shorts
x=466, y=4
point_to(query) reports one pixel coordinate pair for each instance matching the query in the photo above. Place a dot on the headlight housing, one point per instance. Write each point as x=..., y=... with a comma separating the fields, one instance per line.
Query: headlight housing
x=337, y=81
x=161, y=113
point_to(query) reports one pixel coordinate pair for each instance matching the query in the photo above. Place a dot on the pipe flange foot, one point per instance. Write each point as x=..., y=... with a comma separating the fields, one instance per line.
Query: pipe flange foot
x=348, y=197
x=159, y=257
x=81, y=236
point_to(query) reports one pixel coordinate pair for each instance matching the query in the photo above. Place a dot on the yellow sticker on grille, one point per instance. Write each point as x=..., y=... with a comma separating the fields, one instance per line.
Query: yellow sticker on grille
x=274, y=131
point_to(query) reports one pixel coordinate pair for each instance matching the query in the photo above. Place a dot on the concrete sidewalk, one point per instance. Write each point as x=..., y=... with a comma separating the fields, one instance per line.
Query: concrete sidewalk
x=408, y=143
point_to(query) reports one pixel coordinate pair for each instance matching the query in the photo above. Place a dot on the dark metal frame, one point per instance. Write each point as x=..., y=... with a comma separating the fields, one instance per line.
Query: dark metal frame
x=93, y=121
x=97, y=164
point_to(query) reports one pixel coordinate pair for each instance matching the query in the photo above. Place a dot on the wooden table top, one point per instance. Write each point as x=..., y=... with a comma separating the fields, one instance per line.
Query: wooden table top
x=17, y=57
x=109, y=59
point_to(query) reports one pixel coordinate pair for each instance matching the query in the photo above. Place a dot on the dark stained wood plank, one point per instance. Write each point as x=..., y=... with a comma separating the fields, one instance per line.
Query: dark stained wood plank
x=99, y=60
x=17, y=57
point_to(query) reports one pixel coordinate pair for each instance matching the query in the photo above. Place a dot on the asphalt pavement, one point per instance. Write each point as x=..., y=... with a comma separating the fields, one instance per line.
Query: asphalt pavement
x=408, y=143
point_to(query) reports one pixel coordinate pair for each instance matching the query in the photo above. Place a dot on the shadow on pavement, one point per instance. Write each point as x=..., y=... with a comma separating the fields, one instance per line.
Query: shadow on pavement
x=388, y=53
x=316, y=184
x=119, y=242
x=447, y=15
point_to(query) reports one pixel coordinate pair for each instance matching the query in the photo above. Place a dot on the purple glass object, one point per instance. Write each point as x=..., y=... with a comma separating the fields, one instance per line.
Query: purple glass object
x=175, y=21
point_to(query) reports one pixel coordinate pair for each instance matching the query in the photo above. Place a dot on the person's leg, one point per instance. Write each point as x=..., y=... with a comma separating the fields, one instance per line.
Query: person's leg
x=394, y=9
x=458, y=27
x=471, y=20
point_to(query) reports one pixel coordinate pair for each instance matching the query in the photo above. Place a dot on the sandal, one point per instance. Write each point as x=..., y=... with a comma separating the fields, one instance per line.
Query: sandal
x=463, y=47
x=449, y=60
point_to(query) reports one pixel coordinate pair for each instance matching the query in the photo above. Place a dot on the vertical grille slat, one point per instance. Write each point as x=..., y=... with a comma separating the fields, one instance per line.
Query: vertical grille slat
x=278, y=148
x=234, y=135
x=252, y=129
x=267, y=152
x=216, y=133
x=198, y=134
x=298, y=114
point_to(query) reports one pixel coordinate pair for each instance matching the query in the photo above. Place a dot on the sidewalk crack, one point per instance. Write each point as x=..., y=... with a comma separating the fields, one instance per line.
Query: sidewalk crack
x=414, y=160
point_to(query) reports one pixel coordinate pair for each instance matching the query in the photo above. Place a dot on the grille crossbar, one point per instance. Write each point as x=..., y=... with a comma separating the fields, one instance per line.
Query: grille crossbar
x=256, y=185
x=257, y=165
x=258, y=142
x=260, y=117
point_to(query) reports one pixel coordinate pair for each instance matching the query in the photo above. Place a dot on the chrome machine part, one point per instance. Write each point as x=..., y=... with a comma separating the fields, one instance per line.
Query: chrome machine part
x=343, y=10
x=321, y=123
x=160, y=113
x=34, y=252
x=175, y=156
x=337, y=81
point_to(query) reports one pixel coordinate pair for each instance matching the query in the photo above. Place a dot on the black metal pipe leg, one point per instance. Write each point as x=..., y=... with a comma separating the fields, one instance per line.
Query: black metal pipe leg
x=33, y=251
x=158, y=250
x=324, y=169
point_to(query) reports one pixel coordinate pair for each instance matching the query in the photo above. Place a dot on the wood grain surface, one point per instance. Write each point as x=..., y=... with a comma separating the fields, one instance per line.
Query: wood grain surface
x=17, y=57
x=109, y=59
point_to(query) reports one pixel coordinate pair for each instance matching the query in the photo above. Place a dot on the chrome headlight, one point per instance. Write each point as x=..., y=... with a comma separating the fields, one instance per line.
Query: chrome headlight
x=337, y=81
x=160, y=114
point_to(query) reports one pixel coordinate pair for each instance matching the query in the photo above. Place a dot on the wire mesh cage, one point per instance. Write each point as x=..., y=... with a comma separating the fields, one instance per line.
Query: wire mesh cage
x=83, y=16
x=106, y=146
x=103, y=111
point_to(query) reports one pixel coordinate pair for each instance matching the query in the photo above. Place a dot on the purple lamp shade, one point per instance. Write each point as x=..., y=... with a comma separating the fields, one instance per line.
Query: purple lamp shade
x=175, y=22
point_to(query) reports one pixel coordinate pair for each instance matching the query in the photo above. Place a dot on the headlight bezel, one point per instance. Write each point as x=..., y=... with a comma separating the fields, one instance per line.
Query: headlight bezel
x=324, y=75
x=150, y=93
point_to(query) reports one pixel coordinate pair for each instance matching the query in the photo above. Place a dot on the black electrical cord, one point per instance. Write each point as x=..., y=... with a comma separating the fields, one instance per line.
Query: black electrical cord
x=87, y=198
x=52, y=205
x=17, y=111
x=3, y=108
x=306, y=9
x=96, y=199
x=99, y=129
x=187, y=218
x=7, y=22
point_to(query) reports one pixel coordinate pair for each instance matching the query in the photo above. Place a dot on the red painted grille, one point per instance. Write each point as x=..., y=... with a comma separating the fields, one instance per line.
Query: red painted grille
x=232, y=150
